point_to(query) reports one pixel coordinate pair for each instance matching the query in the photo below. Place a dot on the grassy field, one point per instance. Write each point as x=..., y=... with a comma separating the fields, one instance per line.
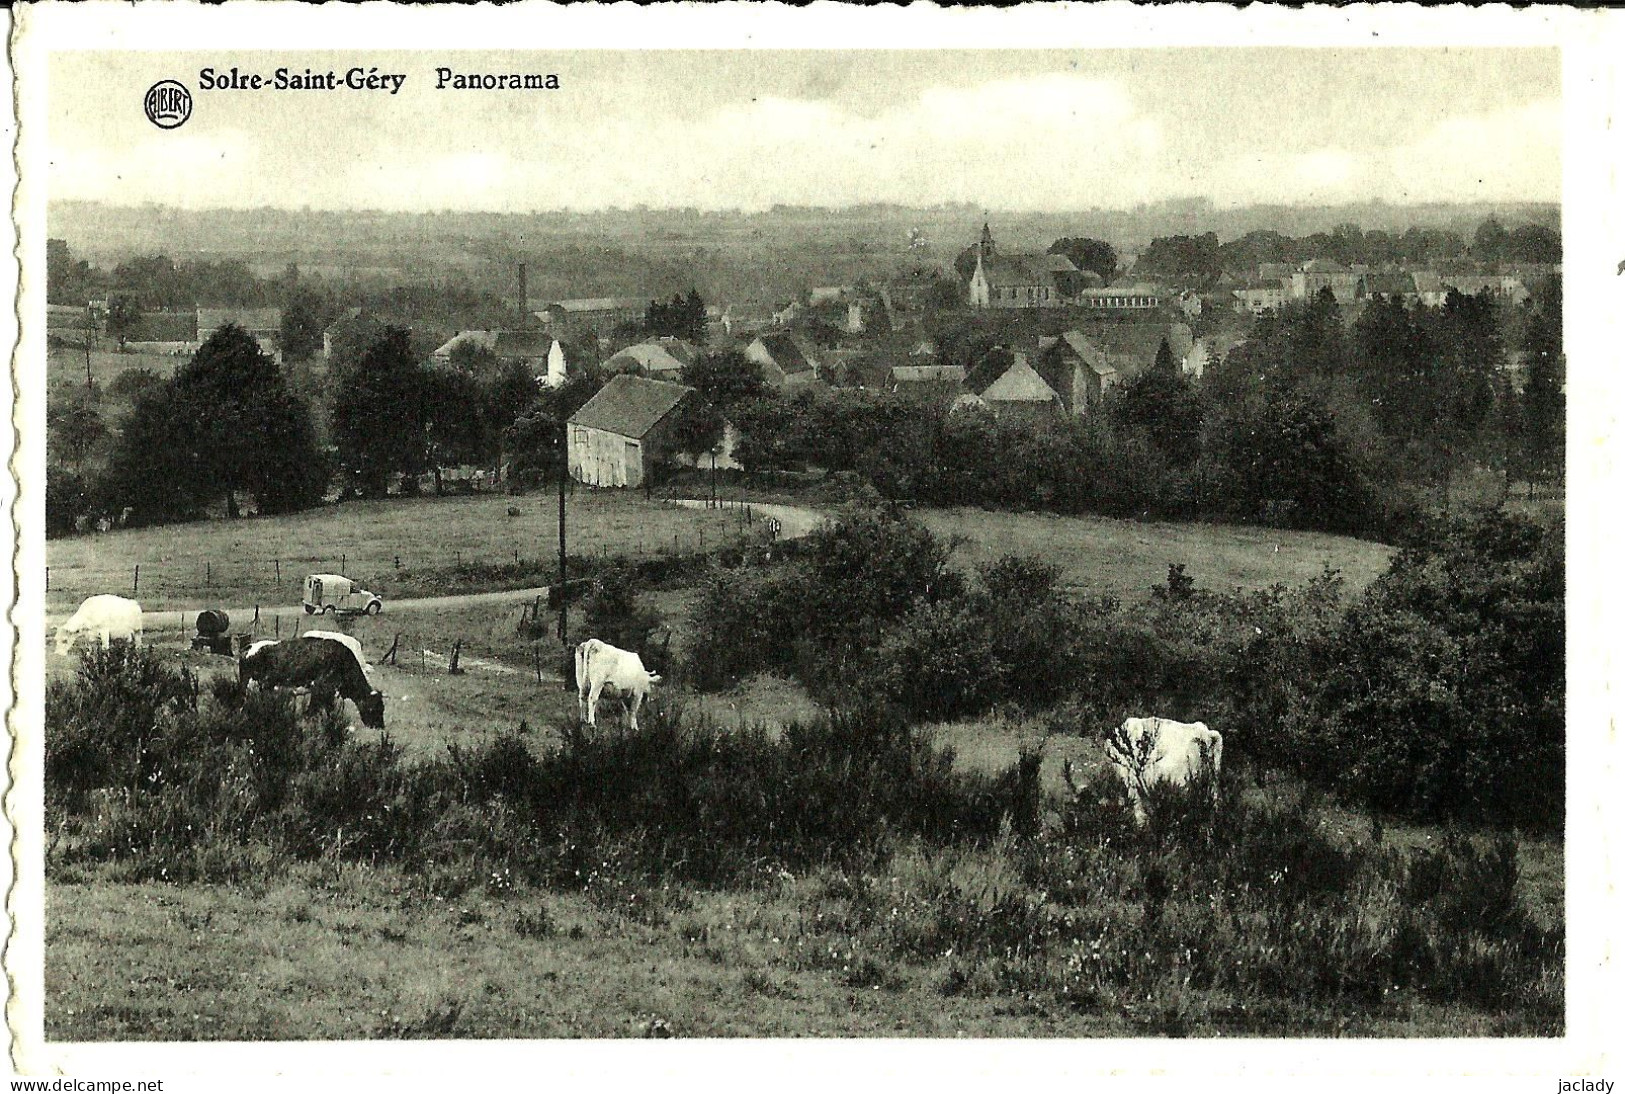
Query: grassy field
x=397, y=548
x=67, y=365
x=1125, y=558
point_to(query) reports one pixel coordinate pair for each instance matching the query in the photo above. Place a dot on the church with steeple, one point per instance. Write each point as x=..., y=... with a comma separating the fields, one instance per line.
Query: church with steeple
x=1015, y=281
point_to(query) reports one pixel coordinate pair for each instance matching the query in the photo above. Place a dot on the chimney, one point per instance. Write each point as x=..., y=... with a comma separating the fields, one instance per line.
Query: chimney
x=524, y=293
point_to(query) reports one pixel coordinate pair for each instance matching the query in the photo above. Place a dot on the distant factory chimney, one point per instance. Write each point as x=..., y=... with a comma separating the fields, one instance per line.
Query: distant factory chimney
x=524, y=293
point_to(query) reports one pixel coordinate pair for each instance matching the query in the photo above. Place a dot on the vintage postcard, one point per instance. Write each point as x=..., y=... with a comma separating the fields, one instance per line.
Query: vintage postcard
x=949, y=544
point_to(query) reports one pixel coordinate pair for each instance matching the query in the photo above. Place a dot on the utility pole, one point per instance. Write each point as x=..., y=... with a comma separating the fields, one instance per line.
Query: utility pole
x=90, y=325
x=564, y=599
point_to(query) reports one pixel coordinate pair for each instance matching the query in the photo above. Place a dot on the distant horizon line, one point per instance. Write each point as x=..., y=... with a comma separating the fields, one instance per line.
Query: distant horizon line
x=1191, y=204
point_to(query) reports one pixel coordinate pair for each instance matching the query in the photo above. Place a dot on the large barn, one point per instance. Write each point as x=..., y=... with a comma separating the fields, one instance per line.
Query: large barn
x=623, y=431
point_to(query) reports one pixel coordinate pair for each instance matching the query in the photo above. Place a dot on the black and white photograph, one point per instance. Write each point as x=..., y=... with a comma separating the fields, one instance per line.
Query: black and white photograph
x=720, y=537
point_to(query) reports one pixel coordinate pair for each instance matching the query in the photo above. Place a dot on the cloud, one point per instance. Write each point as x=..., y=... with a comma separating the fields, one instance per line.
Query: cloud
x=174, y=168
x=1509, y=155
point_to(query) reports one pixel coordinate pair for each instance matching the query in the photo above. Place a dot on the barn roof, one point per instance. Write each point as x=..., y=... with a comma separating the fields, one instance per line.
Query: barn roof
x=165, y=326
x=590, y=304
x=787, y=353
x=630, y=406
x=1020, y=384
x=250, y=319
x=653, y=356
x=1009, y=270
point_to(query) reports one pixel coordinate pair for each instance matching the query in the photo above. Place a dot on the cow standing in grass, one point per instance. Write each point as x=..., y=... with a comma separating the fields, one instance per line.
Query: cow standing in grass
x=1146, y=753
x=321, y=666
x=600, y=665
x=107, y=617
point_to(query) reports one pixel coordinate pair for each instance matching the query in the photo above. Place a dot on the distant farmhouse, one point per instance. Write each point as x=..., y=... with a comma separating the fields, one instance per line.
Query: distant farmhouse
x=537, y=350
x=264, y=324
x=659, y=358
x=597, y=315
x=788, y=361
x=622, y=432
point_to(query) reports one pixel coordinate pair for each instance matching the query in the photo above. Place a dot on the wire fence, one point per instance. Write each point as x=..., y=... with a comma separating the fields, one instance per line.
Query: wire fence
x=404, y=571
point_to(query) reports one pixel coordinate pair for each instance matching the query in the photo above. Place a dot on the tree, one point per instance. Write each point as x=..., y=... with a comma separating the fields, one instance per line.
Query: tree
x=123, y=315
x=535, y=446
x=76, y=429
x=681, y=317
x=1191, y=260
x=67, y=280
x=1166, y=409
x=456, y=430
x=696, y=428
x=1088, y=254
x=155, y=465
x=1534, y=243
x=378, y=413
x=1165, y=360
x=65, y=500
x=301, y=335
x=1287, y=466
x=1490, y=241
x=1541, y=421
x=725, y=379
x=246, y=429
x=507, y=391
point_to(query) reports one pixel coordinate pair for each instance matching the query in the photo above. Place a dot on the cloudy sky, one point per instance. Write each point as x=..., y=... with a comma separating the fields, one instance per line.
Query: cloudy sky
x=1002, y=129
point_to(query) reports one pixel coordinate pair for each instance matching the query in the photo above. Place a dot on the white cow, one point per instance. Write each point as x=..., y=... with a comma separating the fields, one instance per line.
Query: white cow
x=1147, y=752
x=598, y=664
x=107, y=617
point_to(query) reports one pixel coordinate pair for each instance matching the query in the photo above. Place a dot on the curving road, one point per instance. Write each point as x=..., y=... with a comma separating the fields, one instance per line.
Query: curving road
x=795, y=521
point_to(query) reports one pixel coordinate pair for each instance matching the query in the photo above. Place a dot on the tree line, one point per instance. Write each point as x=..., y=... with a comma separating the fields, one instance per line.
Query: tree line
x=1199, y=260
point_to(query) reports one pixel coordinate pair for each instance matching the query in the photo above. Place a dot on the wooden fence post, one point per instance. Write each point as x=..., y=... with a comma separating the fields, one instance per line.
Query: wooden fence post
x=208, y=575
x=278, y=563
x=136, y=586
x=456, y=654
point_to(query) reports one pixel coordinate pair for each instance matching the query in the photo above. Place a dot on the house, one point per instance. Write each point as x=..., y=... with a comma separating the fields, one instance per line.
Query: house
x=1262, y=296
x=1011, y=281
x=1135, y=297
x=264, y=324
x=936, y=384
x=1324, y=273
x=595, y=314
x=533, y=348
x=1077, y=370
x=163, y=332
x=1393, y=284
x=829, y=294
x=624, y=431
x=661, y=358
x=1020, y=392
x=788, y=362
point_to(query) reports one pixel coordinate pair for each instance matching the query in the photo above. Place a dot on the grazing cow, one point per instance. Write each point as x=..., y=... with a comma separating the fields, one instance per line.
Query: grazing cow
x=598, y=664
x=1148, y=752
x=349, y=642
x=106, y=617
x=258, y=646
x=327, y=669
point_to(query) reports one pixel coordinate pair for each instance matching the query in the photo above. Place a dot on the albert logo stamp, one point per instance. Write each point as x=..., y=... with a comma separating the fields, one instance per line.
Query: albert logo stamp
x=168, y=104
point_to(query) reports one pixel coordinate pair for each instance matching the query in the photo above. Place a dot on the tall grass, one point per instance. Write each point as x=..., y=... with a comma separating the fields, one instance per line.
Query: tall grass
x=1244, y=915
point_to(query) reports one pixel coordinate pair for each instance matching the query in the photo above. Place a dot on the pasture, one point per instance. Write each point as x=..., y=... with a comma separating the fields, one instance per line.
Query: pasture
x=66, y=365
x=405, y=547
x=745, y=866
x=1125, y=558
